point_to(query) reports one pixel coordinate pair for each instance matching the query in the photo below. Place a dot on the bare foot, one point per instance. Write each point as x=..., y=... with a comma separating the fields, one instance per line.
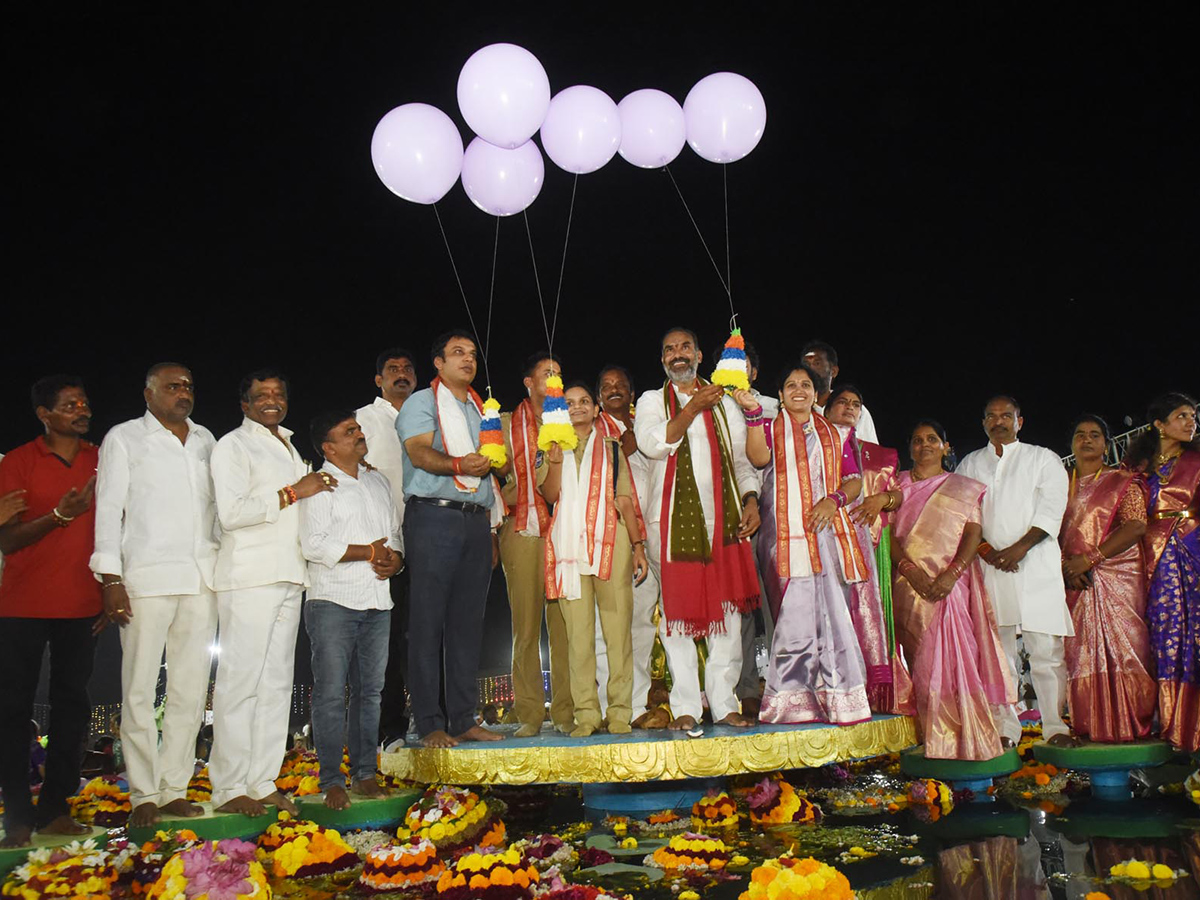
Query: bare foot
x=438, y=738
x=18, y=836
x=280, y=800
x=182, y=808
x=368, y=787
x=653, y=719
x=1063, y=740
x=737, y=720
x=143, y=814
x=479, y=733
x=527, y=730
x=336, y=798
x=751, y=707
x=683, y=723
x=64, y=825
x=243, y=806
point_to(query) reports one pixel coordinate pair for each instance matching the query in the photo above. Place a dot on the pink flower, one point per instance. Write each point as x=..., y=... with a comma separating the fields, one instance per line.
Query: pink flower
x=763, y=794
x=218, y=870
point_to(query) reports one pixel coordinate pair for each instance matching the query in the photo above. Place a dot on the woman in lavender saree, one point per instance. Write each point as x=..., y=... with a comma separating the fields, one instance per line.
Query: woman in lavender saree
x=949, y=630
x=810, y=556
x=1111, y=692
x=1169, y=456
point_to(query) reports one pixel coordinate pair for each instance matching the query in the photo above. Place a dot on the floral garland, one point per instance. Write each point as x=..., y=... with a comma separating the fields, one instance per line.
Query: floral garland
x=214, y=870
x=774, y=801
x=503, y=876
x=101, y=802
x=690, y=852
x=715, y=810
x=77, y=869
x=797, y=879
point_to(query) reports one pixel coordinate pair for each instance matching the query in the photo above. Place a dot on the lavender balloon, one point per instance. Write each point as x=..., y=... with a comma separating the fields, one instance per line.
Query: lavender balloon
x=652, y=128
x=725, y=116
x=582, y=130
x=417, y=152
x=503, y=93
x=499, y=181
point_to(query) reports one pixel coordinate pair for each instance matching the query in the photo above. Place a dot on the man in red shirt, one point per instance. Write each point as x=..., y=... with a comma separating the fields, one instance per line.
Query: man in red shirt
x=48, y=597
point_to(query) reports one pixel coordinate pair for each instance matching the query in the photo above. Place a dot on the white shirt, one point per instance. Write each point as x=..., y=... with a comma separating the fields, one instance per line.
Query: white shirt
x=865, y=429
x=1026, y=488
x=359, y=511
x=650, y=426
x=155, y=513
x=639, y=468
x=384, y=451
x=260, y=543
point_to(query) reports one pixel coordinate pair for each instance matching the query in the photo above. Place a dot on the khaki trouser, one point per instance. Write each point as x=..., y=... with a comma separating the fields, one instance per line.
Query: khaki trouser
x=524, y=562
x=613, y=599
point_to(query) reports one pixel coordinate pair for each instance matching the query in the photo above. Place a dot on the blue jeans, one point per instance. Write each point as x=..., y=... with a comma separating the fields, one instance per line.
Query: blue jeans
x=349, y=646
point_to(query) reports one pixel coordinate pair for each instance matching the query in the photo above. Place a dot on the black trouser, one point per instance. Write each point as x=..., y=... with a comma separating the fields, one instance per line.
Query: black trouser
x=393, y=717
x=72, y=648
x=449, y=555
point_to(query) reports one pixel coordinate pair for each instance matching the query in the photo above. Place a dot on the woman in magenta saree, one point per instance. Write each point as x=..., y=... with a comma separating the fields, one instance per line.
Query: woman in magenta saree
x=958, y=665
x=811, y=555
x=1170, y=458
x=1111, y=692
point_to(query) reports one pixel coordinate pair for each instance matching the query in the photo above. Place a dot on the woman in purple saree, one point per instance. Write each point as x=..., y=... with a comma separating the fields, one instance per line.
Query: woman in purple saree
x=943, y=615
x=811, y=555
x=1169, y=456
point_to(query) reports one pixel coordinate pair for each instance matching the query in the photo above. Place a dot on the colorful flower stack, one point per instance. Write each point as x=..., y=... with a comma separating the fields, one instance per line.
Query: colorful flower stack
x=775, y=802
x=930, y=797
x=300, y=773
x=797, y=879
x=454, y=818
x=77, y=869
x=556, y=423
x=579, y=892
x=690, y=852
x=394, y=867
x=311, y=853
x=548, y=851
x=731, y=372
x=715, y=810
x=491, y=433
x=492, y=876
x=147, y=864
x=199, y=789
x=101, y=802
x=226, y=869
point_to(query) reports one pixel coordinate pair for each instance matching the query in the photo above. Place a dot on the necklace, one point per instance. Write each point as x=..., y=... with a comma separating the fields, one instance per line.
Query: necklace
x=916, y=477
x=1074, y=478
x=1167, y=463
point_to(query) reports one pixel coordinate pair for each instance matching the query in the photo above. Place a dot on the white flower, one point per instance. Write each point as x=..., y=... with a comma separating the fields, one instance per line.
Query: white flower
x=40, y=857
x=433, y=815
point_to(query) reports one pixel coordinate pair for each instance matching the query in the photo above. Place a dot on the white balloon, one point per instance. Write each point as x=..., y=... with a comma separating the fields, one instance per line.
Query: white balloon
x=725, y=116
x=502, y=182
x=503, y=93
x=652, y=128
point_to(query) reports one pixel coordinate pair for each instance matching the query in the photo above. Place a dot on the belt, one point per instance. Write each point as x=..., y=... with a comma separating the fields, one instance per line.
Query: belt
x=450, y=504
x=1175, y=514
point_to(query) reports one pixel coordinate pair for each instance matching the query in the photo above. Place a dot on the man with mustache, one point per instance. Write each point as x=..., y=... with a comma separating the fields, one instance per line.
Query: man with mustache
x=523, y=555
x=155, y=554
x=351, y=539
x=258, y=479
x=452, y=506
x=824, y=359
x=396, y=378
x=701, y=509
x=48, y=597
x=1024, y=505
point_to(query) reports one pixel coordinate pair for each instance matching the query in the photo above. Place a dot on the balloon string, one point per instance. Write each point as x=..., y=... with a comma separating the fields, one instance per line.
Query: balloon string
x=538, y=282
x=470, y=318
x=487, y=340
x=703, y=242
x=562, y=268
x=728, y=257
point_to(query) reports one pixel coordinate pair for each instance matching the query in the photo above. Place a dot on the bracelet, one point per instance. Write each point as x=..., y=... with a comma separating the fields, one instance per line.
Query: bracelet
x=1096, y=556
x=372, y=556
x=289, y=495
x=107, y=584
x=60, y=520
x=839, y=497
x=906, y=562
x=456, y=464
x=755, y=422
x=755, y=413
x=984, y=549
x=892, y=504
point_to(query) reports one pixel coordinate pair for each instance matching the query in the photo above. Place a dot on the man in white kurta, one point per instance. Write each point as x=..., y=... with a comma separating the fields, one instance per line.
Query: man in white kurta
x=658, y=442
x=155, y=552
x=1022, y=514
x=396, y=378
x=258, y=478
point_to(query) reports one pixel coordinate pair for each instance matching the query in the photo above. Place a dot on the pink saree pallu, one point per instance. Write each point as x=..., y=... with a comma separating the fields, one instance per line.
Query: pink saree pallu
x=959, y=670
x=1112, y=695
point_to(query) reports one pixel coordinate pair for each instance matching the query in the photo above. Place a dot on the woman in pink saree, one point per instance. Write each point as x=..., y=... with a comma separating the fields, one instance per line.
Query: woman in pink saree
x=1112, y=695
x=944, y=617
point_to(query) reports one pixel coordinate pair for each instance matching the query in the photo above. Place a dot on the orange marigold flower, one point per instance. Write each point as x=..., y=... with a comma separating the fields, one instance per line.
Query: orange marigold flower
x=1041, y=778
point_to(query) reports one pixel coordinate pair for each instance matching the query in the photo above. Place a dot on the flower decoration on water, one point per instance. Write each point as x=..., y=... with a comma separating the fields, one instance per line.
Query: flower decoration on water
x=774, y=801
x=399, y=866
x=715, y=810
x=931, y=798
x=77, y=869
x=691, y=852
x=797, y=879
x=479, y=876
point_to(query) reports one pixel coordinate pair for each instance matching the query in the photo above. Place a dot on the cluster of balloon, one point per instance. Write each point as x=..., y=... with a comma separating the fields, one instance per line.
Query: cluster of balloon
x=504, y=97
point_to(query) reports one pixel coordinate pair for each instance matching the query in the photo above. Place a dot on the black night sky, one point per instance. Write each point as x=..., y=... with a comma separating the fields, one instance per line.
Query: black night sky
x=963, y=201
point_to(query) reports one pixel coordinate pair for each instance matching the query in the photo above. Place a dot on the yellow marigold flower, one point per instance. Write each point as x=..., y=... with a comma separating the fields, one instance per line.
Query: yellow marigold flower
x=739, y=860
x=1137, y=869
x=688, y=895
x=1096, y=895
